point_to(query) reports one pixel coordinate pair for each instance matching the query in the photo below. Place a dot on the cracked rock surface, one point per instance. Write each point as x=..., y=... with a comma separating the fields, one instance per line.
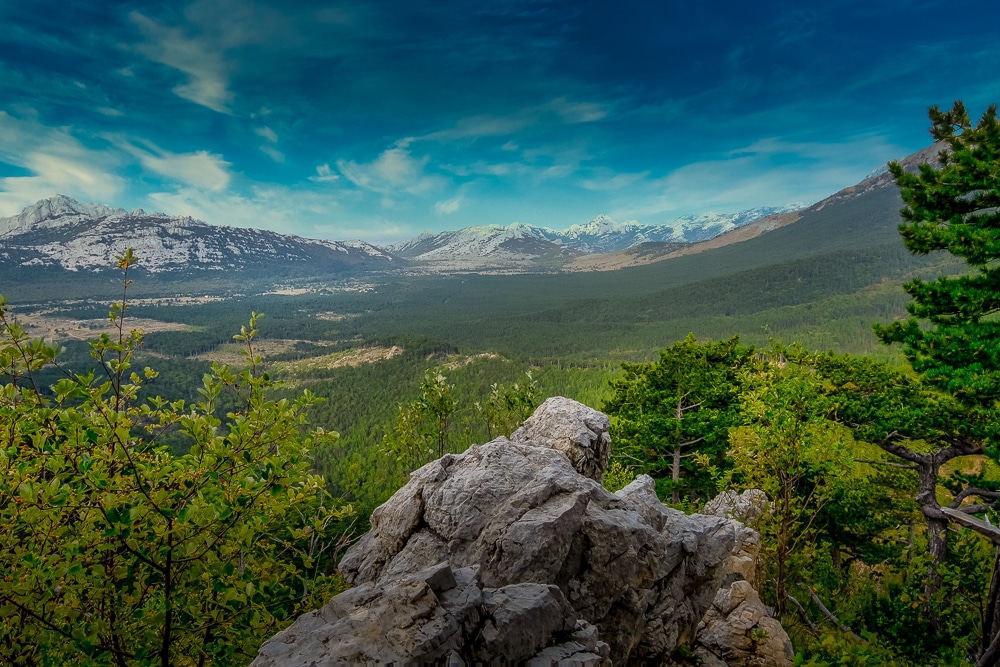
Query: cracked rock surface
x=513, y=552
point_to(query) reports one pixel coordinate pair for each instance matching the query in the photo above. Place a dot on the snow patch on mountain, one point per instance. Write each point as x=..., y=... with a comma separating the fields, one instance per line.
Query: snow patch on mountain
x=61, y=231
x=494, y=244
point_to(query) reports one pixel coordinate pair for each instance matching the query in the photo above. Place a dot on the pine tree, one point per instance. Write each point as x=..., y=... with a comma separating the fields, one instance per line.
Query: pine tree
x=952, y=336
x=955, y=208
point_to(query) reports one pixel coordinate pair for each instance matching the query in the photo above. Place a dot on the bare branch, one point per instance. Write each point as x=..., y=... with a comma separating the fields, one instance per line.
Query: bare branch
x=978, y=525
x=803, y=615
x=829, y=614
x=973, y=491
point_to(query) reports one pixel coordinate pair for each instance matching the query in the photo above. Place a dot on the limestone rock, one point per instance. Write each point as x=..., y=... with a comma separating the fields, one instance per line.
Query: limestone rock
x=738, y=631
x=744, y=507
x=514, y=552
x=579, y=432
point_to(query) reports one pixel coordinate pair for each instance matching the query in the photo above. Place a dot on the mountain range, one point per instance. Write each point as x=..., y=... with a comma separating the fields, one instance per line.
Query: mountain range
x=522, y=246
x=74, y=236
x=63, y=233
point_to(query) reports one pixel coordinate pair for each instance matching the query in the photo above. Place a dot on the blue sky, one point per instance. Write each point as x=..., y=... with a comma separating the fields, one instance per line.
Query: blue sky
x=383, y=118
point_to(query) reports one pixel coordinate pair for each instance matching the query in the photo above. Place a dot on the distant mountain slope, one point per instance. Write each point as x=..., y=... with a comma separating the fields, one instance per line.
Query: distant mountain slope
x=520, y=247
x=843, y=261
x=516, y=247
x=878, y=181
x=647, y=253
x=62, y=232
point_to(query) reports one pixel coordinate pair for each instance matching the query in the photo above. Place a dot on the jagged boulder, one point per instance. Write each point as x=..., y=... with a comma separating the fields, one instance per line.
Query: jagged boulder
x=513, y=552
x=579, y=432
x=738, y=630
x=745, y=507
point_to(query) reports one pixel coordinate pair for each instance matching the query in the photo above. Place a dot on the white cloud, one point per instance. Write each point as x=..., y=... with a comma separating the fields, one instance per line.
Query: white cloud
x=271, y=137
x=200, y=59
x=751, y=176
x=263, y=208
x=200, y=169
x=324, y=174
x=475, y=127
x=448, y=206
x=606, y=179
x=393, y=171
x=281, y=209
x=273, y=153
x=267, y=134
x=56, y=162
x=576, y=112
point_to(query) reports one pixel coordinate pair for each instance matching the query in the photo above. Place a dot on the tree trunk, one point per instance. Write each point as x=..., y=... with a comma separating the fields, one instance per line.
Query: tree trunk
x=675, y=475
x=782, y=549
x=991, y=619
x=937, y=532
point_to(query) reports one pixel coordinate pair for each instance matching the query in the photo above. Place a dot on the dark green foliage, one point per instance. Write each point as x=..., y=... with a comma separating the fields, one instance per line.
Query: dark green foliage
x=955, y=208
x=664, y=413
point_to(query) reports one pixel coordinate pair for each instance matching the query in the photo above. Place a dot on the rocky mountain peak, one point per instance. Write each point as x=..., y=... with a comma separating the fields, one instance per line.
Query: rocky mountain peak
x=61, y=231
x=602, y=224
x=56, y=211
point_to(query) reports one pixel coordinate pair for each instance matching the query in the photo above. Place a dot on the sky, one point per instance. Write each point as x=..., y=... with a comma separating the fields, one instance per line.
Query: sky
x=380, y=119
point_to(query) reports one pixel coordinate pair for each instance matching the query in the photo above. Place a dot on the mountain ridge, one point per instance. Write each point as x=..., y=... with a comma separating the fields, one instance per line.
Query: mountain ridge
x=60, y=231
x=84, y=238
x=519, y=244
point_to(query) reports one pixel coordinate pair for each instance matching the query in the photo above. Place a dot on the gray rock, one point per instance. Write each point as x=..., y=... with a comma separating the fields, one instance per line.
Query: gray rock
x=737, y=630
x=745, y=507
x=514, y=552
x=579, y=432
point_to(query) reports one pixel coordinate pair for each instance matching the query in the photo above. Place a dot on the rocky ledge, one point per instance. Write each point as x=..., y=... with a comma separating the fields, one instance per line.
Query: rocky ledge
x=513, y=552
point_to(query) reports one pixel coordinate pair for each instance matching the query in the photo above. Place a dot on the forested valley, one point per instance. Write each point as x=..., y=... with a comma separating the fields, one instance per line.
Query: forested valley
x=176, y=497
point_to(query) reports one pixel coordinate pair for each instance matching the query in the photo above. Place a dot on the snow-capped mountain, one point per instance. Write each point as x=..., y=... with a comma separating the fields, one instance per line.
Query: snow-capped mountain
x=520, y=245
x=515, y=247
x=63, y=232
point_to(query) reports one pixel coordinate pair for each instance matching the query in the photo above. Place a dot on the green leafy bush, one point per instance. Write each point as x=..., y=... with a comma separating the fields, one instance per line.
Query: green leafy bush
x=113, y=550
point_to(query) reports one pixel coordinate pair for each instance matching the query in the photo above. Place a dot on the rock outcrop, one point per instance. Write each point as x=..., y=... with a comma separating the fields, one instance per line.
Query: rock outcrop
x=738, y=630
x=513, y=552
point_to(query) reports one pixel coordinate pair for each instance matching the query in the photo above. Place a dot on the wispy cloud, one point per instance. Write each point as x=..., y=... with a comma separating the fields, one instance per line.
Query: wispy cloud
x=324, y=174
x=481, y=126
x=394, y=171
x=267, y=134
x=199, y=59
x=448, y=206
x=200, y=169
x=268, y=148
x=281, y=209
x=55, y=162
x=606, y=179
x=767, y=172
